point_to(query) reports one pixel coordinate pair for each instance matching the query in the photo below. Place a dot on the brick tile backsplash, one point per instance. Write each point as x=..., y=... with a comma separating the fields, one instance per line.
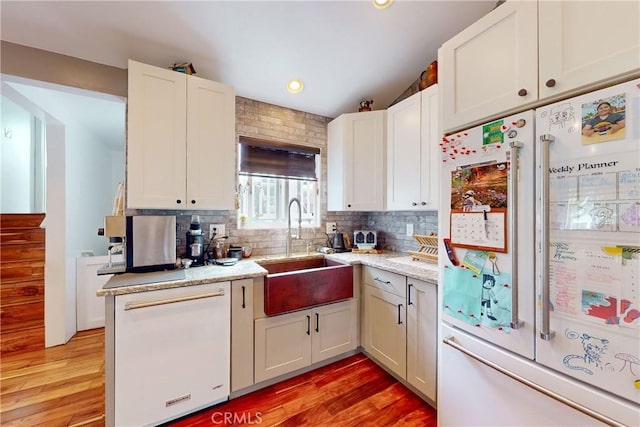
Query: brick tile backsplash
x=259, y=119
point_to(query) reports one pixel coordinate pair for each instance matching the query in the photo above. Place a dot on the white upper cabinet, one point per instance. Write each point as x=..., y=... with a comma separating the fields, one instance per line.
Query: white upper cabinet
x=412, y=152
x=211, y=148
x=575, y=53
x=356, y=162
x=527, y=53
x=180, y=141
x=491, y=66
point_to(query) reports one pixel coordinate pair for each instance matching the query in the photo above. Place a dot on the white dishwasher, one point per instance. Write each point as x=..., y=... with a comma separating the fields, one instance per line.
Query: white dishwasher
x=172, y=352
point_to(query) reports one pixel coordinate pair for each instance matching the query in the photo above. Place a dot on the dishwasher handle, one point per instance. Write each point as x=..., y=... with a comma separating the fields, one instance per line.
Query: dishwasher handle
x=144, y=304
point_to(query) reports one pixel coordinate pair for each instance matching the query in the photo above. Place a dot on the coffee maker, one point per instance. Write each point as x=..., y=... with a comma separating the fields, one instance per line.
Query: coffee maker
x=195, y=241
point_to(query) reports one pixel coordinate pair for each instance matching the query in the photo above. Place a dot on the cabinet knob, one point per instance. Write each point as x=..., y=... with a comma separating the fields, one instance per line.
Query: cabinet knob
x=424, y=203
x=522, y=92
x=414, y=204
x=551, y=83
x=178, y=201
x=193, y=202
x=348, y=206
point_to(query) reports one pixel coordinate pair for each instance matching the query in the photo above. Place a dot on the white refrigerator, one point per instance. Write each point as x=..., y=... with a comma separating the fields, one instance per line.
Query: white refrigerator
x=539, y=296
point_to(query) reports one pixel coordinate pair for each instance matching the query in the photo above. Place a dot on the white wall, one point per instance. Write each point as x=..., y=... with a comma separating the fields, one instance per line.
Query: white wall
x=90, y=189
x=56, y=294
x=16, y=160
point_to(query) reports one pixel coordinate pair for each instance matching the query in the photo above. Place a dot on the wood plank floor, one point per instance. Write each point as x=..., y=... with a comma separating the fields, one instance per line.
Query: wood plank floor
x=64, y=386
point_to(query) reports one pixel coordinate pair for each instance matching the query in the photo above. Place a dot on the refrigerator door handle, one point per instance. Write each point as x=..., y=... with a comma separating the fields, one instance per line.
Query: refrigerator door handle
x=512, y=202
x=545, y=329
x=450, y=341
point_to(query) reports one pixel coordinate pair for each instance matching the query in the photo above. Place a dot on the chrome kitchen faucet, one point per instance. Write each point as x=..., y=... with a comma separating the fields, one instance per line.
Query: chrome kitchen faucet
x=295, y=199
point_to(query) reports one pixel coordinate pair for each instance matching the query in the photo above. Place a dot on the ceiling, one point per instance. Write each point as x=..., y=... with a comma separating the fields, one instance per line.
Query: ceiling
x=343, y=51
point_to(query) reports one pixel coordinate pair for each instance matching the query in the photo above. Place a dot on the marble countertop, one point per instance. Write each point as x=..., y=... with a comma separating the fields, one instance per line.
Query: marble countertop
x=395, y=262
x=128, y=283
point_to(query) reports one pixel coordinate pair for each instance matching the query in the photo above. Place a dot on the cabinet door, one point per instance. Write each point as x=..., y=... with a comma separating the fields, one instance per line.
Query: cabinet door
x=156, y=137
x=356, y=155
x=430, y=149
x=366, y=176
x=404, y=157
x=575, y=53
x=241, y=334
x=422, y=339
x=491, y=66
x=385, y=335
x=171, y=354
x=89, y=307
x=334, y=329
x=282, y=343
x=211, y=148
x=337, y=164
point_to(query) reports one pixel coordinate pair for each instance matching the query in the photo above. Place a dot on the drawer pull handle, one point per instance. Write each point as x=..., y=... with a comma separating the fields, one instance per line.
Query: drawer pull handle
x=399, y=320
x=382, y=281
x=317, y=322
x=143, y=304
x=409, y=294
x=308, y=325
x=243, y=303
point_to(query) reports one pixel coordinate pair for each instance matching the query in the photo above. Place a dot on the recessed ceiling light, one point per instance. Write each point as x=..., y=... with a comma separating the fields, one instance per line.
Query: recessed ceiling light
x=382, y=4
x=295, y=86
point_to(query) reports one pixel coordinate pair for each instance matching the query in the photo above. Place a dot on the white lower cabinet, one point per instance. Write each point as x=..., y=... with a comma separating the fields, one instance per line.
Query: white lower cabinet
x=400, y=326
x=295, y=340
x=89, y=307
x=335, y=330
x=242, y=333
x=422, y=331
x=385, y=330
x=171, y=352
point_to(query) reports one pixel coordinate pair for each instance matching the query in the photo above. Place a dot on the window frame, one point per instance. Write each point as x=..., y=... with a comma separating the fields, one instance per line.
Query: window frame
x=285, y=189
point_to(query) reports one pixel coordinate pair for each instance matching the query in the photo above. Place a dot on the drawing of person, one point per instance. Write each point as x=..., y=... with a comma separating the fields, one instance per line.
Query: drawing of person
x=604, y=122
x=600, y=216
x=561, y=115
x=488, y=283
x=469, y=201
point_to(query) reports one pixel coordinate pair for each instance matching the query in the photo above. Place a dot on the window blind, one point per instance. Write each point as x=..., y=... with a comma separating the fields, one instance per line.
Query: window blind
x=259, y=157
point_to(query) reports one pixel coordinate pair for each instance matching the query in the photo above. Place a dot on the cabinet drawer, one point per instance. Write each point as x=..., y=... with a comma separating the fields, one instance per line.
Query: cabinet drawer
x=387, y=281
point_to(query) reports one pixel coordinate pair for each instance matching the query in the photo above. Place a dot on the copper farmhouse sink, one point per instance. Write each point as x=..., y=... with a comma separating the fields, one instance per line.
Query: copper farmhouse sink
x=294, y=284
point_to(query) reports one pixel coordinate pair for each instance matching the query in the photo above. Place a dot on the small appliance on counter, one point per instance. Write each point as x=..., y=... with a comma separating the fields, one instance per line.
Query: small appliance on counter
x=235, y=252
x=149, y=243
x=365, y=239
x=195, y=242
x=337, y=243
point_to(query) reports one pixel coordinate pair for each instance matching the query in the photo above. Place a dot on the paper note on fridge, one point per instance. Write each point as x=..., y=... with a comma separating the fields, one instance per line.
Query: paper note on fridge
x=479, y=230
x=595, y=283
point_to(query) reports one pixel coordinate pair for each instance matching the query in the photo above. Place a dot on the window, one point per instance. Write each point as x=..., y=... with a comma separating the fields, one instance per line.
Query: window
x=270, y=175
